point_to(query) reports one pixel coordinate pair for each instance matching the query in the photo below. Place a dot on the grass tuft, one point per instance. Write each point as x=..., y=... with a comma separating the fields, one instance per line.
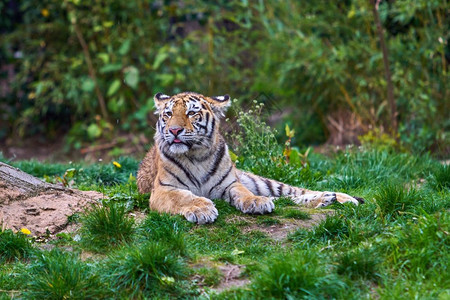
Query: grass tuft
x=361, y=263
x=61, y=275
x=296, y=214
x=14, y=245
x=393, y=199
x=150, y=267
x=105, y=226
x=166, y=229
x=440, y=178
x=296, y=275
x=209, y=276
x=332, y=228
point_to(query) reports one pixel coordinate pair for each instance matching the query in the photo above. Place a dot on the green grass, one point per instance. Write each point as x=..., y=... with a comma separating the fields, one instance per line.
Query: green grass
x=295, y=214
x=165, y=229
x=297, y=275
x=14, y=245
x=62, y=275
x=151, y=268
x=106, y=226
x=394, y=246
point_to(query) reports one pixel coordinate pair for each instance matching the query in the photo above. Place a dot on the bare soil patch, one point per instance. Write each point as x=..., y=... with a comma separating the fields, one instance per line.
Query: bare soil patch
x=232, y=277
x=42, y=208
x=47, y=212
x=279, y=232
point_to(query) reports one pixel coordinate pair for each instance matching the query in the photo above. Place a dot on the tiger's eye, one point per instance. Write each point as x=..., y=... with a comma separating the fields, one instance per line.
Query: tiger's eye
x=169, y=114
x=191, y=113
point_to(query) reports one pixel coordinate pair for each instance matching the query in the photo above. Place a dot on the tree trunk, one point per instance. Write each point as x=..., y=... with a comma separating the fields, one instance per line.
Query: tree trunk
x=15, y=183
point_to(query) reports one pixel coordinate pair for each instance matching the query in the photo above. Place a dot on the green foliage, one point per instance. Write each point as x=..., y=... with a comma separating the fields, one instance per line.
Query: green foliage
x=297, y=275
x=393, y=199
x=209, y=276
x=412, y=245
x=14, y=245
x=393, y=246
x=149, y=267
x=312, y=60
x=378, y=140
x=12, y=278
x=165, y=229
x=361, y=263
x=296, y=214
x=62, y=275
x=440, y=179
x=332, y=228
x=106, y=226
x=260, y=153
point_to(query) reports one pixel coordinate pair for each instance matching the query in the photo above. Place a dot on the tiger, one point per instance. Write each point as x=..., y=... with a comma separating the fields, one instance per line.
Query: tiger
x=189, y=165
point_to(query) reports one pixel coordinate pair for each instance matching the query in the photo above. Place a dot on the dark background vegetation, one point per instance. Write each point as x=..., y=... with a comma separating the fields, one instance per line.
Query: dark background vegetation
x=84, y=72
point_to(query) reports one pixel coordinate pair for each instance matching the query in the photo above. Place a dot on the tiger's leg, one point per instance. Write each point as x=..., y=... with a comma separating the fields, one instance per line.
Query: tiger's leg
x=195, y=209
x=272, y=188
x=247, y=202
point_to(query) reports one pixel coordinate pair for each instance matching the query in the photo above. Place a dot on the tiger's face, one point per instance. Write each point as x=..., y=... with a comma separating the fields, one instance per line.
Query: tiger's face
x=188, y=121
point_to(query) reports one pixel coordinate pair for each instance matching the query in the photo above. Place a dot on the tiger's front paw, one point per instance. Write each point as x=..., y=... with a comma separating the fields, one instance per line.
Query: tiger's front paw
x=201, y=211
x=255, y=205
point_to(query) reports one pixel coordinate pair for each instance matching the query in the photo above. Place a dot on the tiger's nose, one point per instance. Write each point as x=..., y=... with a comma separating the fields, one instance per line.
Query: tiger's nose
x=175, y=130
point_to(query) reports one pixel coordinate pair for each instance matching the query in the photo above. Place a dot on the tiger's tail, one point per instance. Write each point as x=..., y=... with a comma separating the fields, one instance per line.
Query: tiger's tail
x=261, y=186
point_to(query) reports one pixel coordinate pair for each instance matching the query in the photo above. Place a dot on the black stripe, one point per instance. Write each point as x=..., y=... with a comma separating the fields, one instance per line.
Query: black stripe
x=176, y=177
x=269, y=186
x=207, y=119
x=290, y=191
x=213, y=125
x=166, y=184
x=193, y=98
x=220, y=154
x=202, y=127
x=188, y=174
x=204, y=106
x=256, y=186
x=220, y=180
x=190, y=159
x=226, y=188
x=201, y=159
x=280, y=189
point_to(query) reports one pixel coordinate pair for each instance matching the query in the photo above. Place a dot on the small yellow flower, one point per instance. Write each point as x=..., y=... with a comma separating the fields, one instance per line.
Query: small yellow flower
x=25, y=231
x=115, y=163
x=45, y=12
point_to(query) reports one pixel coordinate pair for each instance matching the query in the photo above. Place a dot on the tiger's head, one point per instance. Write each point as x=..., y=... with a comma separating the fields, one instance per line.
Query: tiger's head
x=188, y=122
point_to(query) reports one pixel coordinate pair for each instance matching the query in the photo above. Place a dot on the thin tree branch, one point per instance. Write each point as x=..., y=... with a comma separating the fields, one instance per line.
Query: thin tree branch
x=91, y=70
x=387, y=70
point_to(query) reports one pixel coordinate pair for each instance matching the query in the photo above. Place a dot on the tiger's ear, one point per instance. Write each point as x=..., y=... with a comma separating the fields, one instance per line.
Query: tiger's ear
x=220, y=104
x=160, y=101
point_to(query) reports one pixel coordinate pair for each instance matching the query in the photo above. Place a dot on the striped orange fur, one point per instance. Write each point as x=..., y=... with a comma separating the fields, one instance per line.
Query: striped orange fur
x=189, y=165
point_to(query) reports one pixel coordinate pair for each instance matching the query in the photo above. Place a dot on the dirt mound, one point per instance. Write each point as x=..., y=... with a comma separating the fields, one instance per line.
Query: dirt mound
x=47, y=211
x=27, y=202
